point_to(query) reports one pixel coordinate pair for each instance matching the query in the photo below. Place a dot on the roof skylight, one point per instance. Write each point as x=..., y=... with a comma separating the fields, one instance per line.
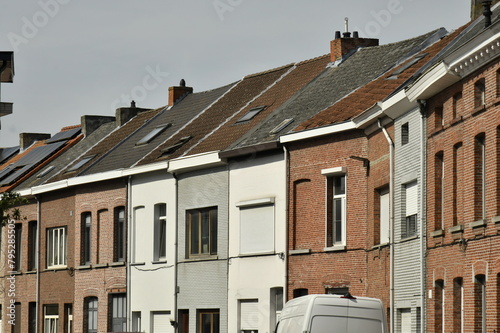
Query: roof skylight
x=251, y=114
x=281, y=126
x=80, y=163
x=174, y=147
x=153, y=134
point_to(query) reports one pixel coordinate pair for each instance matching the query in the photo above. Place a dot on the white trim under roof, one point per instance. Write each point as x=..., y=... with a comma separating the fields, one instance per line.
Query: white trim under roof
x=195, y=162
x=316, y=132
x=434, y=81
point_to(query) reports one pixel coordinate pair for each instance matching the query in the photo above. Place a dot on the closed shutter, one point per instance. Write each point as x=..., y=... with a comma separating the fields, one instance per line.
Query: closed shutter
x=257, y=229
x=161, y=322
x=249, y=315
x=384, y=217
x=405, y=321
x=411, y=199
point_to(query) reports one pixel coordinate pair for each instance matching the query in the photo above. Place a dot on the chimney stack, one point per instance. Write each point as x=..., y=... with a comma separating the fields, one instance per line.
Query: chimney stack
x=122, y=115
x=91, y=123
x=477, y=8
x=27, y=139
x=176, y=93
x=487, y=13
x=341, y=46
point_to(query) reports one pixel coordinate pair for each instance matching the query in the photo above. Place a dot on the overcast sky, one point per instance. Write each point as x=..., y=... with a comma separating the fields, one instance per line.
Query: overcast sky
x=88, y=57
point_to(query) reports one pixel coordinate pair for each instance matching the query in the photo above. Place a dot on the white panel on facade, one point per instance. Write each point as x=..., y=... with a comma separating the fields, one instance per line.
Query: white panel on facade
x=138, y=237
x=161, y=322
x=249, y=315
x=405, y=320
x=384, y=217
x=256, y=229
x=411, y=198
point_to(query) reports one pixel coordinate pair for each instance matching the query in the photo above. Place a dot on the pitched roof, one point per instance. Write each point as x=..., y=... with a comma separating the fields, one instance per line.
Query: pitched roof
x=237, y=125
x=233, y=101
x=158, y=129
x=377, y=90
x=334, y=83
x=35, y=157
x=53, y=168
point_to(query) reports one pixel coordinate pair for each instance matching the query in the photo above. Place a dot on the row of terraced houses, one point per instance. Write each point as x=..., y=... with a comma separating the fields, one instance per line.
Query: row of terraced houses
x=373, y=170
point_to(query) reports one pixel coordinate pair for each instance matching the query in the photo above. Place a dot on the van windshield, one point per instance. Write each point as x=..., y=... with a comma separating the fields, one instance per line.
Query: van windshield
x=291, y=325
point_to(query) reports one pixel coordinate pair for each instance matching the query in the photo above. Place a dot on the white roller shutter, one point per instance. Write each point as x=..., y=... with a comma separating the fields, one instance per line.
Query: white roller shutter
x=411, y=199
x=161, y=322
x=405, y=321
x=249, y=315
x=256, y=229
x=384, y=217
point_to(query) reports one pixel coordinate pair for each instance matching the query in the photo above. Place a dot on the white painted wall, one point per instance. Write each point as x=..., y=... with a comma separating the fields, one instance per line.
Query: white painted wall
x=252, y=277
x=152, y=285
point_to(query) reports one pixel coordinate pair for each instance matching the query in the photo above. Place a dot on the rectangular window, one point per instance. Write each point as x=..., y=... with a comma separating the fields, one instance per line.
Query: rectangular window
x=137, y=232
x=18, y=231
x=68, y=318
x=31, y=317
x=118, y=312
x=457, y=184
x=479, y=93
x=458, y=305
x=120, y=234
x=382, y=209
x=480, y=304
x=256, y=228
x=90, y=322
x=409, y=222
x=208, y=321
x=439, y=191
x=336, y=210
x=277, y=302
x=405, y=134
x=480, y=177
x=136, y=321
x=249, y=316
x=439, y=307
x=32, y=246
x=51, y=318
x=86, y=238
x=160, y=232
x=438, y=117
x=202, y=231
x=457, y=105
x=56, y=247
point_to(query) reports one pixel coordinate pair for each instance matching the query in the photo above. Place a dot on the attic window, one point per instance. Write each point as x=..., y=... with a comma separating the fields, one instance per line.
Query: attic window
x=80, y=163
x=409, y=64
x=251, y=114
x=281, y=126
x=173, y=148
x=45, y=171
x=153, y=134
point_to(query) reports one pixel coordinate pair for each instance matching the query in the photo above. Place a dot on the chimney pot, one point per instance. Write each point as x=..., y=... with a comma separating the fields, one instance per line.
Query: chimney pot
x=355, y=34
x=487, y=13
x=132, y=104
x=337, y=34
x=182, y=83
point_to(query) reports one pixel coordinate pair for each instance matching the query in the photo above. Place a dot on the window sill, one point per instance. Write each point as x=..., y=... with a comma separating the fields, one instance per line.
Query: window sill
x=478, y=224
x=31, y=272
x=437, y=233
x=117, y=263
x=407, y=239
x=137, y=263
x=496, y=219
x=154, y=262
x=100, y=266
x=334, y=248
x=299, y=251
x=456, y=229
x=201, y=258
x=15, y=273
x=478, y=110
x=379, y=246
x=55, y=268
x=84, y=267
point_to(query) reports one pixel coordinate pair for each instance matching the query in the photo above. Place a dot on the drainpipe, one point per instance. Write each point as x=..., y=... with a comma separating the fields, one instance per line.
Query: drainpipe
x=391, y=220
x=129, y=253
x=287, y=188
x=38, y=214
x=176, y=252
x=423, y=229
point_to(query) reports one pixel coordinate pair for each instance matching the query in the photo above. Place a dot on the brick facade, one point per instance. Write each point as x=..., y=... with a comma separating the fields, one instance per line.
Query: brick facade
x=463, y=247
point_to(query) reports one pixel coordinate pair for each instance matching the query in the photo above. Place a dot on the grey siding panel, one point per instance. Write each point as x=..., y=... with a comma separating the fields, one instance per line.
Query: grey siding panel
x=203, y=283
x=407, y=253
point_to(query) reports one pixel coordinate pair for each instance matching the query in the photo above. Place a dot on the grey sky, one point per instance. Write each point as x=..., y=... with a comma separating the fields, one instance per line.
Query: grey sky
x=75, y=57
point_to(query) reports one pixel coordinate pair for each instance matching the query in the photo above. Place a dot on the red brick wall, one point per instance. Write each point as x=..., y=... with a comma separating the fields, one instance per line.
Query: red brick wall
x=476, y=250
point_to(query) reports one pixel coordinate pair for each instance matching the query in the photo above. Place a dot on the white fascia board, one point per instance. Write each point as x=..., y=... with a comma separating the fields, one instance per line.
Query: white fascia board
x=366, y=117
x=316, y=132
x=195, y=162
x=397, y=105
x=146, y=168
x=434, y=81
x=97, y=177
x=49, y=187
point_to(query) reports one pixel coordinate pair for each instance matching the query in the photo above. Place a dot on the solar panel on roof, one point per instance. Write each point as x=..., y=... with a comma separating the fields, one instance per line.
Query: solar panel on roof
x=18, y=172
x=6, y=153
x=39, y=153
x=65, y=135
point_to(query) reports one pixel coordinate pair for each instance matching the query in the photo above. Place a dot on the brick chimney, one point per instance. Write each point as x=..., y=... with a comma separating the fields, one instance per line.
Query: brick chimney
x=27, y=139
x=176, y=93
x=122, y=115
x=342, y=45
x=91, y=123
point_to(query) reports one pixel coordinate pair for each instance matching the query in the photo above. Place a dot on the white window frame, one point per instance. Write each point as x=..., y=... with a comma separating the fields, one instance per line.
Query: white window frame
x=51, y=322
x=334, y=173
x=160, y=233
x=60, y=248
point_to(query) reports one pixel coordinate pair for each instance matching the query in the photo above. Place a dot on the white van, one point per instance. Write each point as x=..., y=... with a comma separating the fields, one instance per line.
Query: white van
x=332, y=314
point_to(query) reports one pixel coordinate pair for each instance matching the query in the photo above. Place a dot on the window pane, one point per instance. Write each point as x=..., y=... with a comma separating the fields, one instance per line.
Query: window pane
x=339, y=185
x=213, y=231
x=337, y=220
x=205, y=232
x=194, y=221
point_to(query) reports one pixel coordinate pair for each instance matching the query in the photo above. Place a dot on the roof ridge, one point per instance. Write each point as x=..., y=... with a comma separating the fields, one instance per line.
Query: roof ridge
x=268, y=71
x=67, y=128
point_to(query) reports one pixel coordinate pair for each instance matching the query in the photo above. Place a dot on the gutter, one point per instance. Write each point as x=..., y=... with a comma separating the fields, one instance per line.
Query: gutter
x=391, y=220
